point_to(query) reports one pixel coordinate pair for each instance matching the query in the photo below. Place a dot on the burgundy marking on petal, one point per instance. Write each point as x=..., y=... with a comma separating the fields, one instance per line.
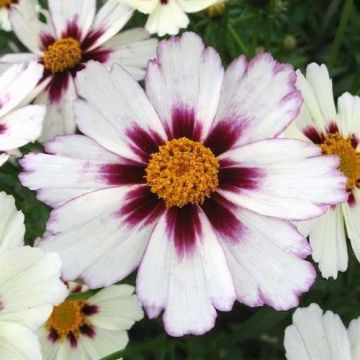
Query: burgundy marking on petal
x=223, y=136
x=144, y=143
x=99, y=54
x=2, y=128
x=72, y=339
x=58, y=86
x=332, y=128
x=53, y=336
x=183, y=226
x=235, y=178
x=221, y=216
x=89, y=309
x=354, y=141
x=91, y=38
x=2, y=305
x=120, y=174
x=46, y=40
x=88, y=330
x=163, y=2
x=141, y=205
x=351, y=199
x=72, y=30
x=184, y=124
x=312, y=134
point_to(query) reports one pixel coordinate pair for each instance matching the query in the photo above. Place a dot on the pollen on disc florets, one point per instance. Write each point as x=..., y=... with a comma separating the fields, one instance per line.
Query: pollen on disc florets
x=183, y=172
x=5, y=3
x=63, y=55
x=335, y=144
x=67, y=318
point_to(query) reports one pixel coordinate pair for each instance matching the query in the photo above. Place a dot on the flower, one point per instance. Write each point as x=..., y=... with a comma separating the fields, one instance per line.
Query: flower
x=30, y=286
x=317, y=336
x=336, y=133
x=168, y=16
x=91, y=328
x=74, y=35
x=19, y=124
x=4, y=13
x=187, y=182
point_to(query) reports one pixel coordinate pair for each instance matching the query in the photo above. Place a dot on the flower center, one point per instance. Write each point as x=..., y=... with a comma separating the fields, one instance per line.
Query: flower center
x=183, y=172
x=5, y=3
x=334, y=144
x=67, y=318
x=63, y=55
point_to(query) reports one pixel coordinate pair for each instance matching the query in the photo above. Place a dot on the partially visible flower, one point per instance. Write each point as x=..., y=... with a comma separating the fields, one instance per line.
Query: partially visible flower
x=19, y=124
x=91, y=328
x=187, y=181
x=74, y=34
x=30, y=286
x=336, y=132
x=317, y=336
x=168, y=16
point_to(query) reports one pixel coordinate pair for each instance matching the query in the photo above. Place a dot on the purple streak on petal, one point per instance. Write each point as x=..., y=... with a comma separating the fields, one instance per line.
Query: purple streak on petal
x=141, y=206
x=99, y=54
x=89, y=309
x=220, y=213
x=88, y=330
x=235, y=178
x=351, y=199
x=144, y=142
x=184, y=124
x=72, y=30
x=223, y=136
x=354, y=141
x=53, y=336
x=46, y=40
x=313, y=134
x=2, y=128
x=2, y=305
x=91, y=38
x=72, y=339
x=121, y=174
x=332, y=128
x=58, y=86
x=183, y=226
x=163, y=2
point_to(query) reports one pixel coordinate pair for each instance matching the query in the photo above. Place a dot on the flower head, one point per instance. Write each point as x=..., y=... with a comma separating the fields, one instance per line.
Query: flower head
x=336, y=132
x=74, y=34
x=211, y=134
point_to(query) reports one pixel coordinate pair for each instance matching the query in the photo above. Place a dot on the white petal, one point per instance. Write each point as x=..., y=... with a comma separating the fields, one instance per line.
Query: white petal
x=314, y=336
x=4, y=19
x=354, y=336
x=258, y=98
x=18, y=342
x=110, y=19
x=191, y=6
x=349, y=114
x=145, y=7
x=132, y=49
x=184, y=83
x=328, y=242
x=113, y=108
x=317, y=92
x=289, y=179
x=190, y=287
x=12, y=228
x=30, y=286
x=21, y=126
x=65, y=12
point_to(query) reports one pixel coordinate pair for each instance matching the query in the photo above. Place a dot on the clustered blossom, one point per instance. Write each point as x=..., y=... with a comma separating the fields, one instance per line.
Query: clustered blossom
x=205, y=180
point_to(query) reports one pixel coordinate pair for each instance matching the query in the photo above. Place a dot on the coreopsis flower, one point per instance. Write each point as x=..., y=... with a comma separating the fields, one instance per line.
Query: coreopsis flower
x=74, y=34
x=317, y=336
x=335, y=132
x=30, y=286
x=19, y=124
x=168, y=16
x=91, y=328
x=188, y=182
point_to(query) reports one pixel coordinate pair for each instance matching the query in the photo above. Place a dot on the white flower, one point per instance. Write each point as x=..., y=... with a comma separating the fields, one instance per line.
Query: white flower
x=30, y=286
x=168, y=16
x=74, y=34
x=318, y=336
x=19, y=124
x=336, y=132
x=188, y=182
x=91, y=328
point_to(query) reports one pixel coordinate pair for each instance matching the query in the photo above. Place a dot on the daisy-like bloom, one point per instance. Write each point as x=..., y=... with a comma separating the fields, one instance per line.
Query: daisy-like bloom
x=187, y=181
x=73, y=35
x=168, y=16
x=91, y=328
x=336, y=132
x=317, y=336
x=19, y=124
x=30, y=286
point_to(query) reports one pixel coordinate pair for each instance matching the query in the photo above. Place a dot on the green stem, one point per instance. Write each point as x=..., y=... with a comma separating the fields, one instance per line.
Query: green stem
x=238, y=39
x=340, y=32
